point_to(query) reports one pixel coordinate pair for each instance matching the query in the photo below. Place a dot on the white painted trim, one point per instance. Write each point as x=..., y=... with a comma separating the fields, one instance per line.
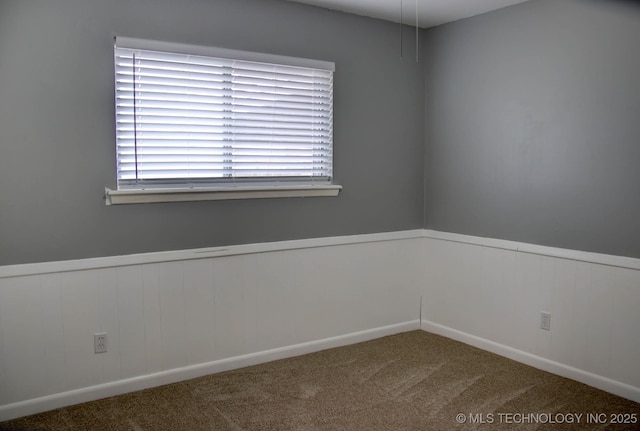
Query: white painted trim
x=37, y=405
x=600, y=382
x=232, y=250
x=201, y=253
x=210, y=51
x=148, y=196
x=581, y=256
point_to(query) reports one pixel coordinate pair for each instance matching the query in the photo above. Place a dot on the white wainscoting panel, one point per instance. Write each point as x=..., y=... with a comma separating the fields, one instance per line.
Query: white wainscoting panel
x=195, y=314
x=490, y=294
x=22, y=336
x=3, y=381
x=177, y=315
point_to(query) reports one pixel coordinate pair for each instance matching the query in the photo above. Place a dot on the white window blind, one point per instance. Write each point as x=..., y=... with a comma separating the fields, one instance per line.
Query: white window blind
x=189, y=116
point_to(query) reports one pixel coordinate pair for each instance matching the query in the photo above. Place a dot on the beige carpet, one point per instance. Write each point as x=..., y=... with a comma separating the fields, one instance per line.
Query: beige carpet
x=410, y=381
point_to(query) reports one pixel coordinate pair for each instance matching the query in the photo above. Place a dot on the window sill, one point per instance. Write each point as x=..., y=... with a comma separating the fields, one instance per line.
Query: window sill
x=123, y=197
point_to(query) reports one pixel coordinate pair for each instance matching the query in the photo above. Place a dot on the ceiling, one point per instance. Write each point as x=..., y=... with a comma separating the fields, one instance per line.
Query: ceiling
x=430, y=12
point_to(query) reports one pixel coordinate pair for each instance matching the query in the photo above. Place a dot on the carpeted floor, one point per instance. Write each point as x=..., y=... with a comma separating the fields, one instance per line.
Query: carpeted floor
x=410, y=381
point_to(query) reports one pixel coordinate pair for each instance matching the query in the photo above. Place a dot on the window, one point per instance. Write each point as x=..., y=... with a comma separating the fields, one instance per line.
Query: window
x=198, y=122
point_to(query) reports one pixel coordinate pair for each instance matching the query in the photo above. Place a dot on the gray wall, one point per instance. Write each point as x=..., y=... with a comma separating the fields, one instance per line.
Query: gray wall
x=57, y=145
x=533, y=125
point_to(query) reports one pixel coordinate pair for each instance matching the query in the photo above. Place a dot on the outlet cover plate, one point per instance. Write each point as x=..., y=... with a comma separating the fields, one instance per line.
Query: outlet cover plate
x=100, y=342
x=545, y=321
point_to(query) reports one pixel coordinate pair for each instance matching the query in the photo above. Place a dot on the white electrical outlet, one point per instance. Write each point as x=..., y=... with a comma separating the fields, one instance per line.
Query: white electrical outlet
x=545, y=321
x=100, y=342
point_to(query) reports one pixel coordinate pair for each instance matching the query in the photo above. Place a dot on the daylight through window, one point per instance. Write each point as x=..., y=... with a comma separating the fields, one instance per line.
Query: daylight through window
x=190, y=116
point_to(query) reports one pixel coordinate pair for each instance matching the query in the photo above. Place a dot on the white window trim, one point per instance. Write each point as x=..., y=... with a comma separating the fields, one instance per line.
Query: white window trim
x=227, y=192
x=211, y=51
x=120, y=197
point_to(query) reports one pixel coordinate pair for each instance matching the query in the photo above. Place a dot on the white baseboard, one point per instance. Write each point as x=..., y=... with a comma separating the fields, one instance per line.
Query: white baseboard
x=603, y=383
x=37, y=405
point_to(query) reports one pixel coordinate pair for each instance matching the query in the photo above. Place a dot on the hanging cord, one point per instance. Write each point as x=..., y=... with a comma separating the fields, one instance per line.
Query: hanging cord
x=417, y=33
x=401, y=41
x=135, y=117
